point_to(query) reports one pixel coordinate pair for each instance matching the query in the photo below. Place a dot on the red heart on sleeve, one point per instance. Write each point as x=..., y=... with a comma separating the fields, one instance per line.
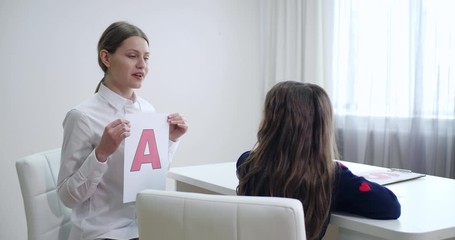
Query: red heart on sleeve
x=364, y=187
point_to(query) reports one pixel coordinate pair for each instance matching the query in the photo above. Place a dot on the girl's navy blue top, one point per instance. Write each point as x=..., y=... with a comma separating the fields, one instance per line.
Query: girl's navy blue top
x=356, y=195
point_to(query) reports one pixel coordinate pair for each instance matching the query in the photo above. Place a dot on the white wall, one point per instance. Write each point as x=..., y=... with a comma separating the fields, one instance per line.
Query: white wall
x=204, y=64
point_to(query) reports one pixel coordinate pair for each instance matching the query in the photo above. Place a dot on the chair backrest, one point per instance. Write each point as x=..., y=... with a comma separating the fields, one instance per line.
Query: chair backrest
x=47, y=217
x=174, y=215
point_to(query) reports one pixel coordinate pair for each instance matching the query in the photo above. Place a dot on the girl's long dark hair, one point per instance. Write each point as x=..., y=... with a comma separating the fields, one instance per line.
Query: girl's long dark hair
x=294, y=152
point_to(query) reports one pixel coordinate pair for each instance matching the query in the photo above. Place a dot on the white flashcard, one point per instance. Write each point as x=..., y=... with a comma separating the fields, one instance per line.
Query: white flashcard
x=146, y=154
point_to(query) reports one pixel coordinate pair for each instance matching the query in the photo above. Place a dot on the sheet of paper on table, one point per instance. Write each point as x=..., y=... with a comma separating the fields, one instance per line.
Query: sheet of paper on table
x=390, y=176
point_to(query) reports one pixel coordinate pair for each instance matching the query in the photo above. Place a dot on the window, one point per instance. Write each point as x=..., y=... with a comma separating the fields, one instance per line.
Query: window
x=394, y=58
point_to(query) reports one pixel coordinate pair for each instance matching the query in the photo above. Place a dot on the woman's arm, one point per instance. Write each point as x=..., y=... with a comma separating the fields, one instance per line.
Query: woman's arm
x=80, y=171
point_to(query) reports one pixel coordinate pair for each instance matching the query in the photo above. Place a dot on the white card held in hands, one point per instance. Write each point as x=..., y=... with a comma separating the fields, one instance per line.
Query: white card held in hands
x=146, y=154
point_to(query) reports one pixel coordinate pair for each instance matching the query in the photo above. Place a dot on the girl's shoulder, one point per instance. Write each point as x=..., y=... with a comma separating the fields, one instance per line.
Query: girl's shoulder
x=242, y=158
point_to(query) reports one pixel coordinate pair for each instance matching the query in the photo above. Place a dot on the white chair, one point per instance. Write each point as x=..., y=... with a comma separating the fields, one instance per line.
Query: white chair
x=47, y=217
x=170, y=215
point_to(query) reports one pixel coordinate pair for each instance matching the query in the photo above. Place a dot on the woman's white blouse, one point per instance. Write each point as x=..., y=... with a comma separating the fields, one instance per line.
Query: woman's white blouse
x=92, y=189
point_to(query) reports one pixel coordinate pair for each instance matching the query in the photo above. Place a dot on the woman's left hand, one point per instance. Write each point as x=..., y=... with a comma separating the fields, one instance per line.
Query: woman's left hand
x=177, y=126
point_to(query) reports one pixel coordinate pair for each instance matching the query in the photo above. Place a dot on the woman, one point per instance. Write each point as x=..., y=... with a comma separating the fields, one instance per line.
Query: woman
x=90, y=180
x=294, y=158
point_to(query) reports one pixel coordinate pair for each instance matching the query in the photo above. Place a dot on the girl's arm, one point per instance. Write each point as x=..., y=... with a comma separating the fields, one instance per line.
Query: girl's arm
x=356, y=195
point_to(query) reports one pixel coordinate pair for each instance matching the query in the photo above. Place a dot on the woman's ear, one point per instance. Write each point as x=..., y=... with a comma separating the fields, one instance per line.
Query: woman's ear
x=104, y=56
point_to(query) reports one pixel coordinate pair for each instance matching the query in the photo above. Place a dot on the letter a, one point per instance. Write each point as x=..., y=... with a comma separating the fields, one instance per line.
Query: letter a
x=147, y=138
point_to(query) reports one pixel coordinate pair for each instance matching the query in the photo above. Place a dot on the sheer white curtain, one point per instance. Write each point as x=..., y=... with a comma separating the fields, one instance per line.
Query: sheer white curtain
x=388, y=66
x=295, y=40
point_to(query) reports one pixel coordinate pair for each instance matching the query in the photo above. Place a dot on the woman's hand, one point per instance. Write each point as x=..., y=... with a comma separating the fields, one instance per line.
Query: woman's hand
x=177, y=126
x=113, y=135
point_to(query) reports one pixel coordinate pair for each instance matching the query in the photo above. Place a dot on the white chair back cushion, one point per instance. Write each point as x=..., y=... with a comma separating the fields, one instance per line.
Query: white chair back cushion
x=47, y=217
x=169, y=215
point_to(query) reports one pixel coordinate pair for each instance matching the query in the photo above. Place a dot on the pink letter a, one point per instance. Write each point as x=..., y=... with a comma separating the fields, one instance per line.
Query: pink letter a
x=147, y=137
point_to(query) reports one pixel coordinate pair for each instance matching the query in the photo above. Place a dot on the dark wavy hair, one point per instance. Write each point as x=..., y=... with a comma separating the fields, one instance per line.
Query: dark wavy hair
x=294, y=153
x=113, y=37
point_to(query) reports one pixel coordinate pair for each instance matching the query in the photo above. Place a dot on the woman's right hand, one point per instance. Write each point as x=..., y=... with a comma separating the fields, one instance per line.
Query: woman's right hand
x=113, y=135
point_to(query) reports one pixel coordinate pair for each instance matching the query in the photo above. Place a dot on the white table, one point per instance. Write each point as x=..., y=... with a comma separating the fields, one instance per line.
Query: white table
x=427, y=204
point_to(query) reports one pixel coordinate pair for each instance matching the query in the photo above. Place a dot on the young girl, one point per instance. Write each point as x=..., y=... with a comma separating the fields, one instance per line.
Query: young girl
x=294, y=158
x=90, y=180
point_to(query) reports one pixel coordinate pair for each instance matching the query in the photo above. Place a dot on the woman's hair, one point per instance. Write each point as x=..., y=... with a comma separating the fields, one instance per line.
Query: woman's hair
x=113, y=37
x=294, y=152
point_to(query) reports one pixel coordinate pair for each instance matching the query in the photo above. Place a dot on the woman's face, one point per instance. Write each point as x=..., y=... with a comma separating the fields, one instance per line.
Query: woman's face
x=128, y=66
